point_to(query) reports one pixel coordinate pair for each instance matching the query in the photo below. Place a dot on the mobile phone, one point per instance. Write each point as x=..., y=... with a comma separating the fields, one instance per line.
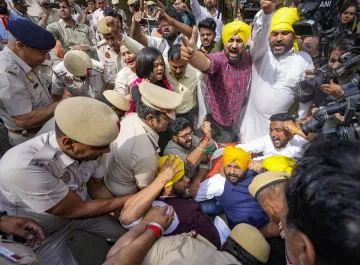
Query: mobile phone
x=148, y=22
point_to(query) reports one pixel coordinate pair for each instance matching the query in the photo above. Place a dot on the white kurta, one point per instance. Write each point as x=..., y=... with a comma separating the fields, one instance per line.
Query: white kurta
x=274, y=80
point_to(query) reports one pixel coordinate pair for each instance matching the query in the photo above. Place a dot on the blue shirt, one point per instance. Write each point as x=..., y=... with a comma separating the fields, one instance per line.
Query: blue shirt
x=239, y=206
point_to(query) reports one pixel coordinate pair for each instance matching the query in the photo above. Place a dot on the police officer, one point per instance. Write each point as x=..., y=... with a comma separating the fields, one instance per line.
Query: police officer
x=108, y=49
x=133, y=160
x=244, y=246
x=50, y=177
x=117, y=102
x=81, y=76
x=25, y=101
x=20, y=10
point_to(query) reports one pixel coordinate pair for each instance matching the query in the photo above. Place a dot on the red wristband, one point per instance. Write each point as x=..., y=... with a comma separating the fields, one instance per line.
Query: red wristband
x=206, y=138
x=156, y=229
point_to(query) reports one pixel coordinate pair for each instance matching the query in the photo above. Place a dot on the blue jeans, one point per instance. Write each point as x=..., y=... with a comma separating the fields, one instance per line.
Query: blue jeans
x=211, y=207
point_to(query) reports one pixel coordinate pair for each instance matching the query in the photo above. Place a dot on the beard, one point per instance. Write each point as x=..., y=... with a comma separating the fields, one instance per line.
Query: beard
x=168, y=36
x=234, y=178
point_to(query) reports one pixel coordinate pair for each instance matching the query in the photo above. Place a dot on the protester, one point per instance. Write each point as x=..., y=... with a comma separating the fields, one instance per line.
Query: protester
x=207, y=35
x=244, y=246
x=25, y=100
x=51, y=163
x=191, y=149
x=24, y=228
x=278, y=68
x=173, y=192
x=119, y=104
x=231, y=190
x=169, y=24
x=209, y=11
x=187, y=16
x=133, y=160
x=73, y=35
x=284, y=138
x=80, y=76
x=325, y=185
x=228, y=74
x=127, y=75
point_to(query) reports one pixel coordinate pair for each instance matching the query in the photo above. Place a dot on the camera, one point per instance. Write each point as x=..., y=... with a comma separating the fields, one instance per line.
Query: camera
x=309, y=88
x=50, y=4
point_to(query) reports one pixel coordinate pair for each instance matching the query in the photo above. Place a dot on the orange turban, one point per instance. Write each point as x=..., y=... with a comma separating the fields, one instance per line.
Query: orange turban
x=237, y=155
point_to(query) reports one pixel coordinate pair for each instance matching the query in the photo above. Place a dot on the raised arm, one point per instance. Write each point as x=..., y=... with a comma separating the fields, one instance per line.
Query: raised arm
x=183, y=28
x=188, y=53
x=261, y=30
x=140, y=203
x=136, y=32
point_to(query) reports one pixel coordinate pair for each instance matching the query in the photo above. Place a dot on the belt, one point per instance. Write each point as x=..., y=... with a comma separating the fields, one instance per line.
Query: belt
x=27, y=131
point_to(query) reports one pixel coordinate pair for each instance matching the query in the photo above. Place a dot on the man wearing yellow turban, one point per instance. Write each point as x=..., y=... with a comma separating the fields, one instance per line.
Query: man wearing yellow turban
x=231, y=190
x=228, y=76
x=278, y=68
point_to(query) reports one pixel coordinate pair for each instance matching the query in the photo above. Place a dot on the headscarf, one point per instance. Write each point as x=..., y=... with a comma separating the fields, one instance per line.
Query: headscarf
x=178, y=176
x=279, y=163
x=237, y=155
x=283, y=19
x=236, y=27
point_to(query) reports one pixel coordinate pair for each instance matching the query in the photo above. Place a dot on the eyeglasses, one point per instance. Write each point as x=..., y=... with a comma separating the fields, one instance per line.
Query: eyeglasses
x=334, y=60
x=188, y=135
x=349, y=13
x=308, y=45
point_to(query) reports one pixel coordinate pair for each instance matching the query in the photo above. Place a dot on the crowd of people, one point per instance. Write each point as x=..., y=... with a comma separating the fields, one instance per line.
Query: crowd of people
x=175, y=132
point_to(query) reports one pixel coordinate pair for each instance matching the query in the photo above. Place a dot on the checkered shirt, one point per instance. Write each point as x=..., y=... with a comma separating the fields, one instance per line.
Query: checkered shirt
x=226, y=87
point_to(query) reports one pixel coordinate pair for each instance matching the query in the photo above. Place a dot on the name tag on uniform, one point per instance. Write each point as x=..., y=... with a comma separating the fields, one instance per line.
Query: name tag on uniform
x=9, y=254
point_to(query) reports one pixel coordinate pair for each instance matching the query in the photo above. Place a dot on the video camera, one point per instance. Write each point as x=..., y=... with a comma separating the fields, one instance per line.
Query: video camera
x=349, y=130
x=309, y=88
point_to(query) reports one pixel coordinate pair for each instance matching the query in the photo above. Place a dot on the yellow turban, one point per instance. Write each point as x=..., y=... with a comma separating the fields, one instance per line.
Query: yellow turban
x=279, y=163
x=178, y=176
x=241, y=157
x=236, y=27
x=283, y=19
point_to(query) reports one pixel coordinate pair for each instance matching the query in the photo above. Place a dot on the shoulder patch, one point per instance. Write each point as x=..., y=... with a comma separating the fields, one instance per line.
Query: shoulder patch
x=59, y=69
x=13, y=69
x=101, y=43
x=97, y=66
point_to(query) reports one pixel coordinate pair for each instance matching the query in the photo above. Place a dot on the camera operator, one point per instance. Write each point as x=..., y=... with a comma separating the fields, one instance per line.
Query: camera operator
x=337, y=48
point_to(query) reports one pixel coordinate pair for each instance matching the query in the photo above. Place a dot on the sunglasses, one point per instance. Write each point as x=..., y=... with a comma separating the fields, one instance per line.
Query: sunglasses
x=308, y=45
x=334, y=60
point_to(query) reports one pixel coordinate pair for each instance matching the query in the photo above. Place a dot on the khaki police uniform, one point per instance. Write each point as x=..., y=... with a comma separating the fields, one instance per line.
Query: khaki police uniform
x=185, y=249
x=22, y=90
x=133, y=160
x=93, y=86
x=109, y=58
x=37, y=175
x=24, y=254
x=188, y=250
